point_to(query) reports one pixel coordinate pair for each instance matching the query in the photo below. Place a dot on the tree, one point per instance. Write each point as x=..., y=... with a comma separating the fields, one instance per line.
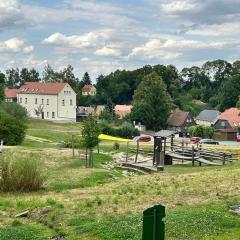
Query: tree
x=12, y=130
x=15, y=110
x=49, y=75
x=2, y=83
x=238, y=103
x=27, y=75
x=13, y=78
x=230, y=92
x=86, y=79
x=152, y=102
x=90, y=132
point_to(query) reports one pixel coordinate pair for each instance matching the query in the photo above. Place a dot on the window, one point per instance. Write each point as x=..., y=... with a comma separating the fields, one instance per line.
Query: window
x=223, y=124
x=53, y=114
x=63, y=102
x=42, y=101
x=47, y=114
x=25, y=100
x=20, y=100
x=35, y=100
x=71, y=102
x=47, y=101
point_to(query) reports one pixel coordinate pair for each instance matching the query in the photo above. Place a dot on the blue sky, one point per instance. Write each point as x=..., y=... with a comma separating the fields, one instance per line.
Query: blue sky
x=102, y=36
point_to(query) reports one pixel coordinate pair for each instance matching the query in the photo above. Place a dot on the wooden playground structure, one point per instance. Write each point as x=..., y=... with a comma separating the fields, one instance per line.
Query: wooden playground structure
x=166, y=151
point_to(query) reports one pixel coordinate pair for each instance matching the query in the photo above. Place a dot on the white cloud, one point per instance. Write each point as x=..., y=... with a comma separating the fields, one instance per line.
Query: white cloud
x=153, y=49
x=90, y=39
x=108, y=52
x=178, y=6
x=15, y=45
x=230, y=28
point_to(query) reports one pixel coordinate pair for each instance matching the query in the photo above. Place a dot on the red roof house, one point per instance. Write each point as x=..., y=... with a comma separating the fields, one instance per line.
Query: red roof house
x=227, y=124
x=89, y=90
x=122, y=110
x=10, y=94
x=42, y=88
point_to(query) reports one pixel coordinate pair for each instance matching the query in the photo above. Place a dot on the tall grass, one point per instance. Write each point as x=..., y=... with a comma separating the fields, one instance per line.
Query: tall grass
x=20, y=173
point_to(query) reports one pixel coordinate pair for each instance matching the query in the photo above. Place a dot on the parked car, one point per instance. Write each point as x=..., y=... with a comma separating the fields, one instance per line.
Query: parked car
x=195, y=140
x=238, y=138
x=209, y=141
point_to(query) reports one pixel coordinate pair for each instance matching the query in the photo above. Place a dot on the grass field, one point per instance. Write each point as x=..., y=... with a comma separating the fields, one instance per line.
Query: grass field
x=102, y=204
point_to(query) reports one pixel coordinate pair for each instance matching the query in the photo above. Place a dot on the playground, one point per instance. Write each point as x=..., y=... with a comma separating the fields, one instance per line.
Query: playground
x=151, y=154
x=105, y=202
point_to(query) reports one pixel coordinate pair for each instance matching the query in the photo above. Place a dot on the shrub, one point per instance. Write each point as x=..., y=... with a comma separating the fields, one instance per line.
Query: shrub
x=12, y=130
x=14, y=109
x=201, y=131
x=124, y=131
x=20, y=173
x=116, y=146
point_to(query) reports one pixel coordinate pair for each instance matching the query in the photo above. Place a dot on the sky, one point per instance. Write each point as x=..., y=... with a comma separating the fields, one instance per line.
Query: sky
x=101, y=36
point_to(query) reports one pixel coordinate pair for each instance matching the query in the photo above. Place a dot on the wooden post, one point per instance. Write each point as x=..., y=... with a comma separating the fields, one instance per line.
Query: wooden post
x=136, y=157
x=193, y=160
x=127, y=152
x=224, y=158
x=73, y=151
x=86, y=158
x=172, y=143
x=98, y=148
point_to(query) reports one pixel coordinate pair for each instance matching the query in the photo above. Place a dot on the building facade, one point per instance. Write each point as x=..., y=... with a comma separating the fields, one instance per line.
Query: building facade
x=89, y=90
x=51, y=101
x=10, y=95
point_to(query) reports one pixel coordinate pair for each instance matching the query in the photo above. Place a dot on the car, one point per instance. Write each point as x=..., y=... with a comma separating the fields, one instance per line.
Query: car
x=238, y=138
x=195, y=140
x=209, y=141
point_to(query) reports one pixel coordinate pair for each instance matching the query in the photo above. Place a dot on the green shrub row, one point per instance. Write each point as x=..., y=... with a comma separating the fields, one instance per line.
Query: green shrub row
x=201, y=131
x=124, y=131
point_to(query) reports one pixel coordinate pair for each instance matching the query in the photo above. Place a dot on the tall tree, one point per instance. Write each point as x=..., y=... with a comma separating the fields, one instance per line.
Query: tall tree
x=49, y=75
x=1, y=92
x=86, y=79
x=13, y=78
x=67, y=75
x=90, y=133
x=27, y=75
x=230, y=92
x=152, y=102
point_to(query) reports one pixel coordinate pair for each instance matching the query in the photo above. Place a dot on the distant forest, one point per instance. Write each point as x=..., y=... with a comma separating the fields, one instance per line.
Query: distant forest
x=215, y=85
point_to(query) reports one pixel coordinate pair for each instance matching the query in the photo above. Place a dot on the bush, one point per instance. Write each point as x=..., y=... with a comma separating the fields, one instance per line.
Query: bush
x=12, y=130
x=14, y=109
x=20, y=173
x=77, y=142
x=124, y=131
x=201, y=131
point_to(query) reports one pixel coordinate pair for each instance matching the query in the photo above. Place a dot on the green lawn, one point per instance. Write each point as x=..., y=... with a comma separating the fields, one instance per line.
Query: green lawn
x=104, y=204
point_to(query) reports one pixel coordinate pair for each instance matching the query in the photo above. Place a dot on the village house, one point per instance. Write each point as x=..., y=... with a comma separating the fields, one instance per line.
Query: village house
x=89, y=90
x=52, y=101
x=207, y=117
x=227, y=124
x=10, y=95
x=180, y=121
x=122, y=110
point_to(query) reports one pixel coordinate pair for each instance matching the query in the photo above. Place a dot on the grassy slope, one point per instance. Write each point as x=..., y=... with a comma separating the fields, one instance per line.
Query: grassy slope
x=103, y=204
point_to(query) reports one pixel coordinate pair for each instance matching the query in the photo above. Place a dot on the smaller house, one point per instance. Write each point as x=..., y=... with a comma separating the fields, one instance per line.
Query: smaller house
x=89, y=90
x=83, y=112
x=207, y=117
x=180, y=121
x=122, y=110
x=227, y=124
x=10, y=95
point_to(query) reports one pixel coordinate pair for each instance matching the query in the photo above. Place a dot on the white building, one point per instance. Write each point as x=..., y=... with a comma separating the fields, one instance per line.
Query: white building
x=51, y=101
x=207, y=117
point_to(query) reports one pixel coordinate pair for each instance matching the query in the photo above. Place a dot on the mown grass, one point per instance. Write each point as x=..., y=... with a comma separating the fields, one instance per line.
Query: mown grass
x=102, y=204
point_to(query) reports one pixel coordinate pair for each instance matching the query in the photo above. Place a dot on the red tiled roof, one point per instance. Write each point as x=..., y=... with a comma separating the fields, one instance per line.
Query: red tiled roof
x=42, y=88
x=10, y=93
x=177, y=118
x=122, y=110
x=87, y=88
x=232, y=115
